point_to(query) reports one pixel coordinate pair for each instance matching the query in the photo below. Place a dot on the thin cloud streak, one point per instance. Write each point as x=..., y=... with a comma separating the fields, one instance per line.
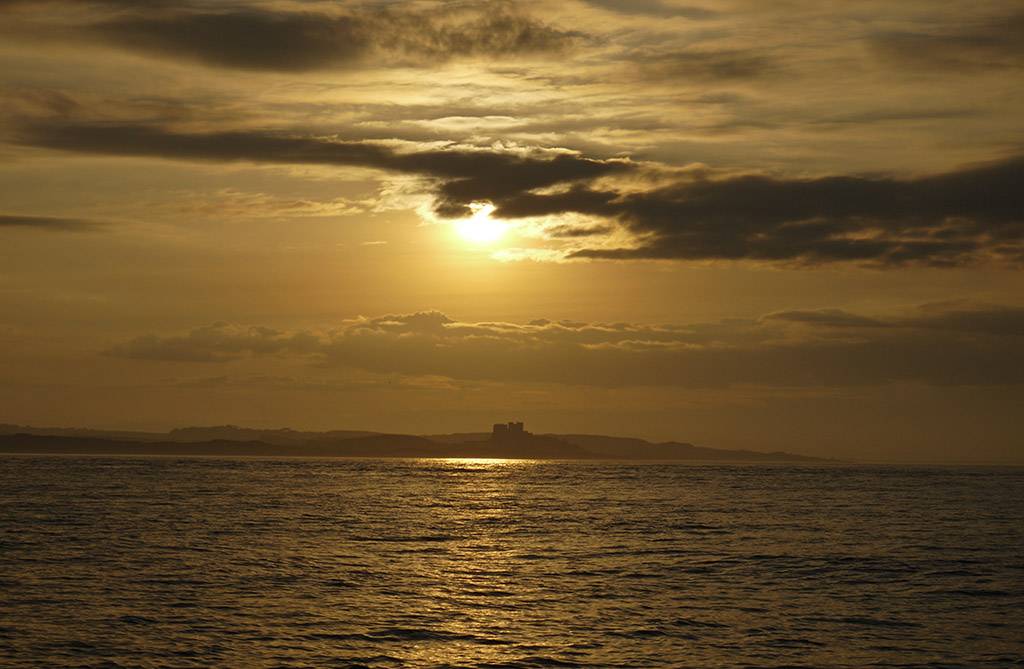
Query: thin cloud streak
x=54, y=223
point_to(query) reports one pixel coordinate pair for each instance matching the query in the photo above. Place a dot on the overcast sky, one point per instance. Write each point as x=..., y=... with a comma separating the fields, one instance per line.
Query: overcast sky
x=771, y=225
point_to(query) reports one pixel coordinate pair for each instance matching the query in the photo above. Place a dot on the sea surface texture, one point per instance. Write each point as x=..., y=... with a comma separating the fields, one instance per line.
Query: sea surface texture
x=167, y=562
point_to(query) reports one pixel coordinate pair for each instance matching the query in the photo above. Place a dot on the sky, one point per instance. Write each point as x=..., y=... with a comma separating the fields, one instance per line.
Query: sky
x=794, y=225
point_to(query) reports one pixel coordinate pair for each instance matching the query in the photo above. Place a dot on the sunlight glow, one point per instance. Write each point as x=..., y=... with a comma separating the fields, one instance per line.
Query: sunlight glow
x=480, y=228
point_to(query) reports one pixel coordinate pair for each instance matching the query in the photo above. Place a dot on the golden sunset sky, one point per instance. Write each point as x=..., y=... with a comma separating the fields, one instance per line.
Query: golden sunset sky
x=770, y=225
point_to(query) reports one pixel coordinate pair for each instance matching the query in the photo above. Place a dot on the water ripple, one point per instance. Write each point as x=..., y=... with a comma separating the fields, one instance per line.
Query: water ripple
x=177, y=562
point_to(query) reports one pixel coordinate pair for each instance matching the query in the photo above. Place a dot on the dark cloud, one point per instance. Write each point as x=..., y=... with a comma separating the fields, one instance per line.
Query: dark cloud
x=893, y=116
x=573, y=231
x=467, y=175
x=836, y=318
x=975, y=214
x=948, y=219
x=994, y=44
x=46, y=222
x=776, y=351
x=962, y=317
x=655, y=8
x=292, y=42
x=251, y=39
x=973, y=319
x=728, y=65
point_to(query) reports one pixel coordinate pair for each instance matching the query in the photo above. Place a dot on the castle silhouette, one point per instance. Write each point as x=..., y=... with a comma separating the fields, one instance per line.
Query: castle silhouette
x=508, y=430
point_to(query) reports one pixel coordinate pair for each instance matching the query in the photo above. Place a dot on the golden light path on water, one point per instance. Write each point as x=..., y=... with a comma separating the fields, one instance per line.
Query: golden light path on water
x=482, y=568
x=423, y=563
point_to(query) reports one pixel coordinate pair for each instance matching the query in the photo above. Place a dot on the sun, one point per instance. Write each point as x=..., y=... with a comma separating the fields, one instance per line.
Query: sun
x=480, y=228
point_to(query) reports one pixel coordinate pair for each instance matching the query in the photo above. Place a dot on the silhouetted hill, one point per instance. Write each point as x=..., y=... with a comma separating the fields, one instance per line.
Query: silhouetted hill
x=363, y=444
x=459, y=437
x=120, y=435
x=377, y=445
x=639, y=449
x=284, y=436
x=34, y=443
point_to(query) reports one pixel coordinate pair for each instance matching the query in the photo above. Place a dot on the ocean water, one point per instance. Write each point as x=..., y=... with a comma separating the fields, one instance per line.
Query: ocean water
x=168, y=562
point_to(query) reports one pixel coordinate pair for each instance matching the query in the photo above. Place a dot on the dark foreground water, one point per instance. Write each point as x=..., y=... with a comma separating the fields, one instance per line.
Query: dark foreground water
x=109, y=562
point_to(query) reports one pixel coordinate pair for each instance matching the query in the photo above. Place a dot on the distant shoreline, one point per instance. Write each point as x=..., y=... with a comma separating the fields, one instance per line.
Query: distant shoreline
x=824, y=463
x=277, y=444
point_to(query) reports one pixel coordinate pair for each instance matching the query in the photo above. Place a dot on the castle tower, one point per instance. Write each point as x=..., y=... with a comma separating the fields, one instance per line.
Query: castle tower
x=509, y=430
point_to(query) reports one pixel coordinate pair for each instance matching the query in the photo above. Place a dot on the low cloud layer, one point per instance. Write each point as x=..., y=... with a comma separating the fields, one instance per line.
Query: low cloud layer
x=953, y=344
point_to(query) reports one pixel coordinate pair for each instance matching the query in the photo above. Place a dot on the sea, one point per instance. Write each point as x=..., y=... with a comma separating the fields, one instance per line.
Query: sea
x=216, y=562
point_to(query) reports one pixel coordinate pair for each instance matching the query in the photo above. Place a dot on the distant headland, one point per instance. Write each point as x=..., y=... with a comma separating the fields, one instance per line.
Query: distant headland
x=505, y=441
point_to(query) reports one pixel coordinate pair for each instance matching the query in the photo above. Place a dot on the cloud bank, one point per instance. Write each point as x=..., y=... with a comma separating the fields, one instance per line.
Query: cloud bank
x=967, y=216
x=955, y=218
x=950, y=344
